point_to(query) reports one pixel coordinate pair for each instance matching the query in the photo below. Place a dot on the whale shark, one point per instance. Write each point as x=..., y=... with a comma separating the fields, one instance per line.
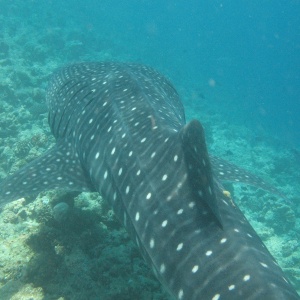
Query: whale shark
x=120, y=130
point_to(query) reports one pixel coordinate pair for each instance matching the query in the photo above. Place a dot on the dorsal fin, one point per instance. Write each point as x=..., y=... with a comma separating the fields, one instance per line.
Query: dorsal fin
x=200, y=172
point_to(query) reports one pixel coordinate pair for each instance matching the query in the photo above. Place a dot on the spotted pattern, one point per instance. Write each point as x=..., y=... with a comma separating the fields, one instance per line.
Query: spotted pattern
x=226, y=171
x=121, y=131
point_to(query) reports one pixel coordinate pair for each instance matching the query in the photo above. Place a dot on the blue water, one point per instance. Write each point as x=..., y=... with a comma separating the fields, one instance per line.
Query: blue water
x=242, y=56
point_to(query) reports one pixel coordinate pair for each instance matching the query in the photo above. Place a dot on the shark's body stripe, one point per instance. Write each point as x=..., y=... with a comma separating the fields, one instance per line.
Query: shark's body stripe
x=121, y=129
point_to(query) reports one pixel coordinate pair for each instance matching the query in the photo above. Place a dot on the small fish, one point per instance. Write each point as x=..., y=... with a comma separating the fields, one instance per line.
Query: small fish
x=121, y=131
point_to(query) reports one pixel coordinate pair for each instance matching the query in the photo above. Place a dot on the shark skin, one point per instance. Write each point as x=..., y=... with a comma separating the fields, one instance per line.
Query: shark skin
x=121, y=131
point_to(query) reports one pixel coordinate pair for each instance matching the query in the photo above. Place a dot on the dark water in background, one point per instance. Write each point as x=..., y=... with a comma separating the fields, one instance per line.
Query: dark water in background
x=240, y=57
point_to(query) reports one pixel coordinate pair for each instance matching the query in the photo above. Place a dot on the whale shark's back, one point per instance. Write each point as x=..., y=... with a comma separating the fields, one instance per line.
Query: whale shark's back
x=82, y=87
